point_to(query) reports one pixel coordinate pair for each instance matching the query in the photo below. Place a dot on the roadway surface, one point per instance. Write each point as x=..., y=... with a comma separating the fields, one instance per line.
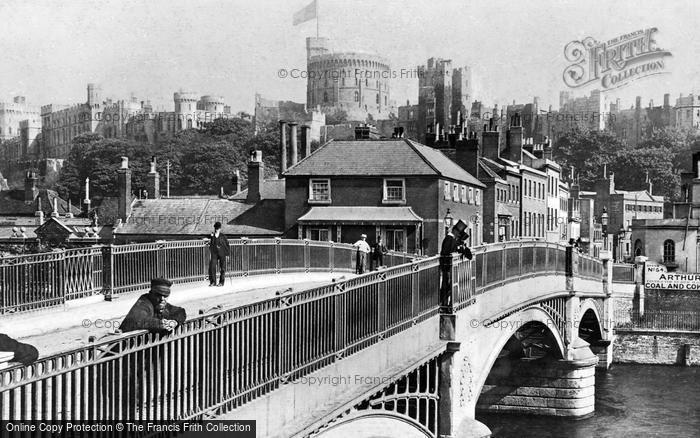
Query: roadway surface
x=62, y=328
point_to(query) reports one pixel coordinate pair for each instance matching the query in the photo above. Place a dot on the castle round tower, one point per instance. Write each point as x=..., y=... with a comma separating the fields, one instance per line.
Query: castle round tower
x=186, y=109
x=354, y=82
x=212, y=104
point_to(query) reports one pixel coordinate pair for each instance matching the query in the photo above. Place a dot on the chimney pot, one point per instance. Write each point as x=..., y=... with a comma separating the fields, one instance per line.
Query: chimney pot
x=125, y=163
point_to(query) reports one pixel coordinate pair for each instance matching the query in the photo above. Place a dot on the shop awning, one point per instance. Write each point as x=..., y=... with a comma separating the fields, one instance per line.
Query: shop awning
x=361, y=215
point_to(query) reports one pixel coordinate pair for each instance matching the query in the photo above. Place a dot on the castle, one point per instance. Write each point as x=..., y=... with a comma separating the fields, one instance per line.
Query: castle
x=354, y=82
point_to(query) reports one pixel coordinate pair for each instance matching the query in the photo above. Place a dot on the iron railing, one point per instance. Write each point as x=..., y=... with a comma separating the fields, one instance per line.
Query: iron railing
x=37, y=281
x=217, y=362
x=658, y=319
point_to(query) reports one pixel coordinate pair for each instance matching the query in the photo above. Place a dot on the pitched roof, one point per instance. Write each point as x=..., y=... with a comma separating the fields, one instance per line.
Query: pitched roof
x=361, y=215
x=196, y=216
x=12, y=203
x=271, y=189
x=639, y=195
x=396, y=157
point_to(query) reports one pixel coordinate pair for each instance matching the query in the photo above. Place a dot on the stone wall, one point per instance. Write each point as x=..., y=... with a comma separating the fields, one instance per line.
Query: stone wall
x=558, y=388
x=661, y=347
x=662, y=299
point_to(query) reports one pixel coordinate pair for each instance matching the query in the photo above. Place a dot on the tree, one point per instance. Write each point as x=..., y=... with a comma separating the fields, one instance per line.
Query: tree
x=337, y=117
x=94, y=157
x=588, y=152
x=632, y=164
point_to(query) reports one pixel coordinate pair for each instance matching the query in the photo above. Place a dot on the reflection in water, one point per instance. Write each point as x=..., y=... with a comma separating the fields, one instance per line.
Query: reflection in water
x=631, y=401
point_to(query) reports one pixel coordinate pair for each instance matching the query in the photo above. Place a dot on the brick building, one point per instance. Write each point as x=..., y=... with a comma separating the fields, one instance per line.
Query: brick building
x=398, y=189
x=256, y=212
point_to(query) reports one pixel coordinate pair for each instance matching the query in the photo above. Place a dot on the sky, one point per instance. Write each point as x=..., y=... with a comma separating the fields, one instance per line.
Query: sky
x=50, y=50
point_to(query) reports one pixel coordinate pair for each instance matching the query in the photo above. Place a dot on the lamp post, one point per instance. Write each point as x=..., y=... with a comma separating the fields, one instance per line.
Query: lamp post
x=604, y=227
x=620, y=237
x=448, y=221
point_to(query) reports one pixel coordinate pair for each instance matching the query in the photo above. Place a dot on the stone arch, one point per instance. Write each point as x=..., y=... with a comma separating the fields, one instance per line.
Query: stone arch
x=589, y=311
x=365, y=424
x=506, y=331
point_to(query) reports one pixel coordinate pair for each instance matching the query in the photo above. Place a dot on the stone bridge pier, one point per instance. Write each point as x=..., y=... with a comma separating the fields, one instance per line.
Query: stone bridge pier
x=530, y=346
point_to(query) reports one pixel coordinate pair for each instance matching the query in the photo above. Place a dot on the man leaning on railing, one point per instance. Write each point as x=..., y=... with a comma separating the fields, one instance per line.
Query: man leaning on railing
x=22, y=353
x=152, y=312
x=454, y=242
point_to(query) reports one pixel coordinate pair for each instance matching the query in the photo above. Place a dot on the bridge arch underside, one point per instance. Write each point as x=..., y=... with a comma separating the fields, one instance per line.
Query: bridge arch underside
x=376, y=425
x=529, y=373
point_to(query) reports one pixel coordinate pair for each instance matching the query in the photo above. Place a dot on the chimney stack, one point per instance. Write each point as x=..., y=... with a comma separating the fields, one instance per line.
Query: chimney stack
x=124, y=188
x=86, y=201
x=54, y=212
x=237, y=180
x=39, y=213
x=256, y=176
x=30, y=188
x=70, y=209
x=489, y=141
x=548, y=152
x=306, y=139
x=514, y=148
x=293, y=140
x=283, y=146
x=153, y=181
x=612, y=183
x=467, y=153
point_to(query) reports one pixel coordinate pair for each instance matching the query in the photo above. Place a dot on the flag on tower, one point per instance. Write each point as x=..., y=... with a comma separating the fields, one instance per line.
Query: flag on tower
x=308, y=12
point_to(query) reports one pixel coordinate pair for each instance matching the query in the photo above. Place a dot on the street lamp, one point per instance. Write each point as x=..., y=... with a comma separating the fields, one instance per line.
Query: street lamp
x=620, y=238
x=448, y=221
x=604, y=223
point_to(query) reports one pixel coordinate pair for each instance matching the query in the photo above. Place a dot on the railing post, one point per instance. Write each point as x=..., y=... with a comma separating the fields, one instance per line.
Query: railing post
x=381, y=303
x=307, y=256
x=415, y=292
x=278, y=255
x=504, y=262
x=107, y=272
x=245, y=257
x=331, y=256
x=339, y=323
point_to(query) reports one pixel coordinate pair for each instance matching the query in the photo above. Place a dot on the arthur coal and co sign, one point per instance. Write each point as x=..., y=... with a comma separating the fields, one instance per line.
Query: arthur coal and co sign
x=656, y=277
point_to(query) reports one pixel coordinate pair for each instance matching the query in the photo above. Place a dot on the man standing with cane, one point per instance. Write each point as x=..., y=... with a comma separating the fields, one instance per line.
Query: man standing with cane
x=218, y=250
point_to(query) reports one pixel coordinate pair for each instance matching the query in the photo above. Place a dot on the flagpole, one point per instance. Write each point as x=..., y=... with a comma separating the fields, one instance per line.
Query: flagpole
x=316, y=3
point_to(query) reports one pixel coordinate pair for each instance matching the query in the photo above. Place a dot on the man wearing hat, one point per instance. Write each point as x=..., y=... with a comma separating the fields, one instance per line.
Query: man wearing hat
x=218, y=250
x=152, y=312
x=452, y=243
x=362, y=251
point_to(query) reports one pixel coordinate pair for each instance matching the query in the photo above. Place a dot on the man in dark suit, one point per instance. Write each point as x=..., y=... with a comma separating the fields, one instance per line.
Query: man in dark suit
x=152, y=312
x=218, y=250
x=378, y=251
x=24, y=353
x=452, y=243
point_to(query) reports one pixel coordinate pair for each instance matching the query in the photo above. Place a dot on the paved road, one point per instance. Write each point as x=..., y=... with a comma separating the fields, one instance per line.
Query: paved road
x=64, y=328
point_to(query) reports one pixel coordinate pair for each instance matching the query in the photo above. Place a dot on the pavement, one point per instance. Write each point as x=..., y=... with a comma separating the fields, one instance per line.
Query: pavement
x=57, y=329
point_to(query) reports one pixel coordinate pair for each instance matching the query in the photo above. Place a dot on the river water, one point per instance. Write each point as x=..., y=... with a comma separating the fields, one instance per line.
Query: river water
x=631, y=401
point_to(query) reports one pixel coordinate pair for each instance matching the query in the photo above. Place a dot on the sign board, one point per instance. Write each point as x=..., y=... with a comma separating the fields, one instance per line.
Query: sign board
x=656, y=277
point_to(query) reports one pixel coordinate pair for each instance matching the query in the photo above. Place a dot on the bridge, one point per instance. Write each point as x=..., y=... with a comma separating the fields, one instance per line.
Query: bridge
x=521, y=330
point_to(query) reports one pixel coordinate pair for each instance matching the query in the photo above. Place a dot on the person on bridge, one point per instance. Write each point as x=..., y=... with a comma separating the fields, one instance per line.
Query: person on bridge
x=24, y=353
x=362, y=251
x=218, y=250
x=152, y=312
x=378, y=251
x=452, y=243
